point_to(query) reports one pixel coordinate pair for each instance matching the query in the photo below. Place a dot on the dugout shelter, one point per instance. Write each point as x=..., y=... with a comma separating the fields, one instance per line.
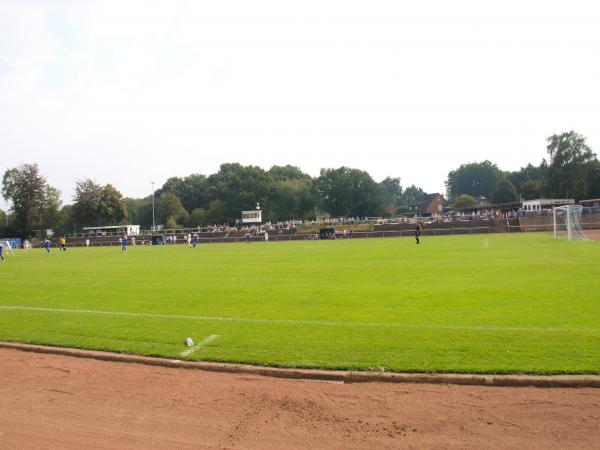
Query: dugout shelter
x=327, y=233
x=158, y=239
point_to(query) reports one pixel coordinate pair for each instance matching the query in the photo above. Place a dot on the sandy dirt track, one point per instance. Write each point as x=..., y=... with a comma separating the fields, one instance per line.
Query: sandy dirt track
x=50, y=401
x=594, y=235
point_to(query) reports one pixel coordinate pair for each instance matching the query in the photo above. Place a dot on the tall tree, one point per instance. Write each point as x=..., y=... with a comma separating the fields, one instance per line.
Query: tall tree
x=411, y=195
x=193, y=191
x=530, y=190
x=3, y=222
x=333, y=187
x=52, y=208
x=524, y=174
x=96, y=205
x=566, y=173
x=239, y=188
x=292, y=199
x=217, y=213
x=112, y=209
x=170, y=209
x=593, y=180
x=198, y=217
x=34, y=201
x=392, y=191
x=464, y=201
x=349, y=192
x=67, y=223
x=280, y=173
x=367, y=197
x=88, y=195
x=474, y=179
x=140, y=211
x=504, y=192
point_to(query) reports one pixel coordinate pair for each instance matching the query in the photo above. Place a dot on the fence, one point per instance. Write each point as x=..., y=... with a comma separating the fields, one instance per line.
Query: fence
x=304, y=237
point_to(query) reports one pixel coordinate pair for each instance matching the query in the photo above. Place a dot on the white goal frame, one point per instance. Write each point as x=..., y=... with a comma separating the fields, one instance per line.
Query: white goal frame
x=567, y=222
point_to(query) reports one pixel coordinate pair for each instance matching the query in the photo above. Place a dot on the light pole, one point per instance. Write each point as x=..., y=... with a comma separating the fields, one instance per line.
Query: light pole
x=153, y=225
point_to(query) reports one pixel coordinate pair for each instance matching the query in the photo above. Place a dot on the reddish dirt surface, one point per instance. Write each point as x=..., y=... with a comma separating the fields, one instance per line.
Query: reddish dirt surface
x=594, y=235
x=50, y=401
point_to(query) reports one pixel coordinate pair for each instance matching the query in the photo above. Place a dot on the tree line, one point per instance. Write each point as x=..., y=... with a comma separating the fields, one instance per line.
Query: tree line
x=571, y=170
x=285, y=192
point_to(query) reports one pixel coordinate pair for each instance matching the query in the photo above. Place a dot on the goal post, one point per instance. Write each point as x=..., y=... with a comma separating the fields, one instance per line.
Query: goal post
x=567, y=222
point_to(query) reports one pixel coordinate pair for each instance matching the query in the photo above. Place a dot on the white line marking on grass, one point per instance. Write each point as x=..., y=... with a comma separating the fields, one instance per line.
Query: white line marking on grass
x=301, y=322
x=198, y=346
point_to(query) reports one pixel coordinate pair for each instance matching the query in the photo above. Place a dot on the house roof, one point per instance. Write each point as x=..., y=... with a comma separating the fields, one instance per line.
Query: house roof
x=425, y=201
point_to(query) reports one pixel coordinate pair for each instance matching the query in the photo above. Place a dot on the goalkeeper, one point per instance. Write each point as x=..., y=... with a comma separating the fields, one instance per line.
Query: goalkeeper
x=418, y=233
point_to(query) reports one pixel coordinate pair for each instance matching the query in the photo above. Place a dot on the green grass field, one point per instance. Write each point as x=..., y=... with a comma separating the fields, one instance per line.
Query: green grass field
x=522, y=303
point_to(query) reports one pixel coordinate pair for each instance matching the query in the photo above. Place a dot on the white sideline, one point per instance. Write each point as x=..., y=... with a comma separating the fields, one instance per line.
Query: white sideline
x=300, y=322
x=199, y=345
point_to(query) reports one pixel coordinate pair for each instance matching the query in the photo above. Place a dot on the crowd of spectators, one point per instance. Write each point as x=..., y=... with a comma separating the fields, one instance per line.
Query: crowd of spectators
x=451, y=216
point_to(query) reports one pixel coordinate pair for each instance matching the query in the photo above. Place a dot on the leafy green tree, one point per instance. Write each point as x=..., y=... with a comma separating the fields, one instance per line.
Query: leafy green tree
x=524, y=174
x=392, y=191
x=239, y=188
x=193, y=191
x=565, y=174
x=67, y=224
x=333, y=187
x=349, y=192
x=112, y=209
x=52, y=217
x=140, y=211
x=34, y=201
x=530, y=190
x=281, y=173
x=7, y=224
x=169, y=208
x=465, y=201
x=474, y=179
x=411, y=195
x=292, y=199
x=174, y=185
x=593, y=181
x=217, y=213
x=88, y=195
x=504, y=192
x=198, y=217
x=171, y=224
x=3, y=222
x=96, y=205
x=367, y=197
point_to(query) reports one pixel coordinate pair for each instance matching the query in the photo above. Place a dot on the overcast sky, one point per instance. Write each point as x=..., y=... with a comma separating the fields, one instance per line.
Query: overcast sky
x=126, y=92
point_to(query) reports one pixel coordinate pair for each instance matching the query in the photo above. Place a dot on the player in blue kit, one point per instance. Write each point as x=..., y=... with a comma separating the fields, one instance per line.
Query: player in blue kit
x=124, y=244
x=47, y=245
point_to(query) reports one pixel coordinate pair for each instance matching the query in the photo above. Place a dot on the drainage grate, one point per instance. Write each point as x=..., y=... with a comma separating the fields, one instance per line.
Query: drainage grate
x=315, y=380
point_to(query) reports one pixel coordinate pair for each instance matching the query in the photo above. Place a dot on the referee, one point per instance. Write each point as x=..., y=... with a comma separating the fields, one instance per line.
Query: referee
x=418, y=232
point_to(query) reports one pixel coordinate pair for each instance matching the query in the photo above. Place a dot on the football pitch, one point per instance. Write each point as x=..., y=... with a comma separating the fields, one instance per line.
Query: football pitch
x=499, y=303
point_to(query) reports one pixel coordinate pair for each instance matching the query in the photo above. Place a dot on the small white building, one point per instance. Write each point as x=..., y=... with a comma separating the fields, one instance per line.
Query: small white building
x=129, y=230
x=254, y=216
x=546, y=203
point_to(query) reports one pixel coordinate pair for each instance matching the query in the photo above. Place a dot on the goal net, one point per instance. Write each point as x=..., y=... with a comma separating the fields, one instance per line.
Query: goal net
x=567, y=222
